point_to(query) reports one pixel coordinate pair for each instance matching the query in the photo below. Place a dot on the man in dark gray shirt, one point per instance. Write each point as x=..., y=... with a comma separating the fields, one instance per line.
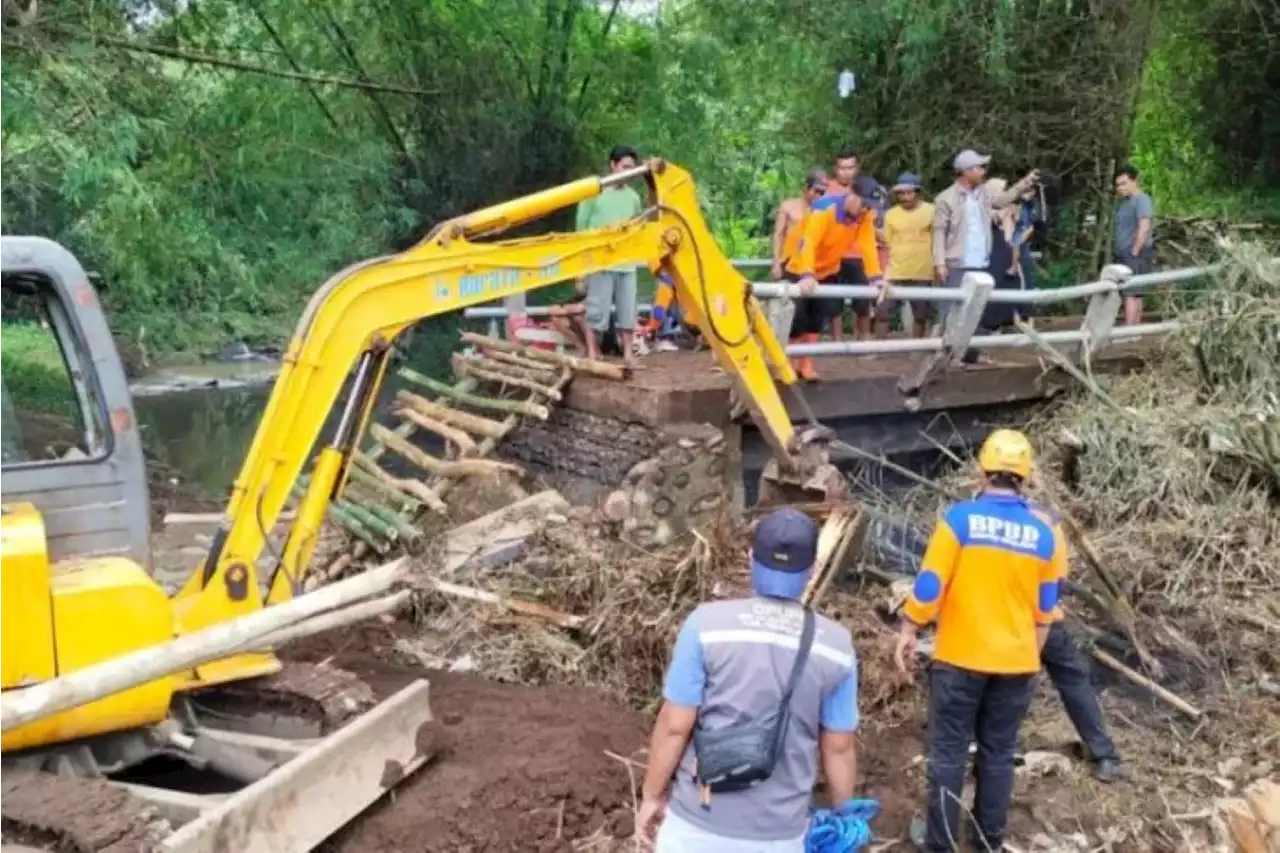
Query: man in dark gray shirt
x=1135, y=227
x=731, y=662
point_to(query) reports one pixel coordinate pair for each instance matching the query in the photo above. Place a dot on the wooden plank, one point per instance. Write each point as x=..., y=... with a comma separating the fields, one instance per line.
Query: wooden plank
x=305, y=801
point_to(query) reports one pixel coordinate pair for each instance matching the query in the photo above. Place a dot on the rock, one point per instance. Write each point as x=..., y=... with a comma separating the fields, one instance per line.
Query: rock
x=1263, y=797
x=1043, y=763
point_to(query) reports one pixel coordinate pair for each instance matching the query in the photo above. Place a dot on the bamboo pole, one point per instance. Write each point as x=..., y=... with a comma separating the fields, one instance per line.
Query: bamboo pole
x=476, y=424
x=603, y=369
x=406, y=428
x=488, y=445
x=368, y=481
x=432, y=465
x=465, y=367
x=333, y=619
x=459, y=394
x=466, y=446
x=528, y=608
x=26, y=705
x=414, y=488
x=521, y=361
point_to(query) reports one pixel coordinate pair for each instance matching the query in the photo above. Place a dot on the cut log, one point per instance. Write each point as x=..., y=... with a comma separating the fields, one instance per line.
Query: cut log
x=459, y=439
x=528, y=608
x=18, y=707
x=468, y=367
x=457, y=468
x=603, y=369
x=474, y=424
x=461, y=393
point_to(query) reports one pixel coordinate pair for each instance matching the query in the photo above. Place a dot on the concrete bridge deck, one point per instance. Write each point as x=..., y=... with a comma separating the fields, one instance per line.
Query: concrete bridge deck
x=684, y=387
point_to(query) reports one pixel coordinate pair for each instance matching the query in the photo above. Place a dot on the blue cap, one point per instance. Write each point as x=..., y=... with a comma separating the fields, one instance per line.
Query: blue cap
x=907, y=181
x=782, y=554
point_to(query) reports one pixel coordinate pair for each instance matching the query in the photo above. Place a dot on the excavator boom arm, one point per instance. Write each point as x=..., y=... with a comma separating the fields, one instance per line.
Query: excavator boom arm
x=353, y=319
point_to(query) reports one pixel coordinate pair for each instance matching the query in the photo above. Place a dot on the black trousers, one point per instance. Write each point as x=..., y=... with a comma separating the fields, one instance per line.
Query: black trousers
x=813, y=315
x=964, y=706
x=1070, y=674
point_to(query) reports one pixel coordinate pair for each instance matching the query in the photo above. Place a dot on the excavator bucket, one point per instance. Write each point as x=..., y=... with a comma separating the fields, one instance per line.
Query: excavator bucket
x=812, y=478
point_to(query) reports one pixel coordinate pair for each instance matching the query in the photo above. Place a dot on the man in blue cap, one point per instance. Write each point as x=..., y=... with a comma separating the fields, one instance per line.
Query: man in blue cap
x=732, y=665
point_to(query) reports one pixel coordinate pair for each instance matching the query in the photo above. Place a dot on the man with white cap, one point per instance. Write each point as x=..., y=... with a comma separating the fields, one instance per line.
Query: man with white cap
x=962, y=220
x=759, y=691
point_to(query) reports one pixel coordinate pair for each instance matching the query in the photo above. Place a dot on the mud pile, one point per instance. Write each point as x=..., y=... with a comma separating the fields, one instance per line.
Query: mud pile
x=521, y=768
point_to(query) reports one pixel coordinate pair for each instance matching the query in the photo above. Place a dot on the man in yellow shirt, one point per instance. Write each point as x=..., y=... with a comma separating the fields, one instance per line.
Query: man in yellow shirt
x=908, y=232
x=990, y=578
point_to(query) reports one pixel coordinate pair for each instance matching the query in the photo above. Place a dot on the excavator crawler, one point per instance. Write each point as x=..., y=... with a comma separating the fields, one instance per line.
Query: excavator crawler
x=79, y=599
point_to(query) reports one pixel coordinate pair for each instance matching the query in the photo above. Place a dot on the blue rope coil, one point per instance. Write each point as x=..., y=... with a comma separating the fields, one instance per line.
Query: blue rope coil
x=841, y=830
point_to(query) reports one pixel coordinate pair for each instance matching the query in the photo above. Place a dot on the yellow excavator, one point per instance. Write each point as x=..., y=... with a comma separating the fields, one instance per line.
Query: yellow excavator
x=76, y=592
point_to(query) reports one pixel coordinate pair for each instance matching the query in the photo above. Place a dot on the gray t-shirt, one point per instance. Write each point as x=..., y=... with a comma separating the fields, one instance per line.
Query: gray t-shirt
x=1132, y=211
x=731, y=662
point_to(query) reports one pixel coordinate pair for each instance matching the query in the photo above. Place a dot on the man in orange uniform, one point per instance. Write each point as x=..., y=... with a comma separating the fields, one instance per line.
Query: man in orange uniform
x=991, y=578
x=833, y=223
x=849, y=178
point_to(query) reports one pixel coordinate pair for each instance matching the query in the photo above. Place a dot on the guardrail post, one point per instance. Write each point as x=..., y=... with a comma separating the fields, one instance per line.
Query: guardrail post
x=964, y=318
x=781, y=312
x=1100, y=315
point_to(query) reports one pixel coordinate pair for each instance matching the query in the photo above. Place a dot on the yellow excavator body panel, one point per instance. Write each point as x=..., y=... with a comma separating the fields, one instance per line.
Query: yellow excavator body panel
x=62, y=618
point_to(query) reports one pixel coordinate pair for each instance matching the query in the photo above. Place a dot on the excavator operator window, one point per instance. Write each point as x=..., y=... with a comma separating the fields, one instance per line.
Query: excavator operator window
x=50, y=411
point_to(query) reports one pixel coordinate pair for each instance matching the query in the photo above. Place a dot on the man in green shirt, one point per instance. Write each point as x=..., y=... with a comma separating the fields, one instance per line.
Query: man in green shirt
x=613, y=290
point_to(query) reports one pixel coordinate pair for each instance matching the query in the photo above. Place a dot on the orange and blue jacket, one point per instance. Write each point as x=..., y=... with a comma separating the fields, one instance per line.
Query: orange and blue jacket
x=826, y=232
x=992, y=573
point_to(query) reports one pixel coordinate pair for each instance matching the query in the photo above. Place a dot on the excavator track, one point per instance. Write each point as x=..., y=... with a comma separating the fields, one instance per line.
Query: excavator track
x=70, y=814
x=318, y=693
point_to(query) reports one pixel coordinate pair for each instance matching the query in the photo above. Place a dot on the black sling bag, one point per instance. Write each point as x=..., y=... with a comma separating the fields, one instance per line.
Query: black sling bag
x=739, y=756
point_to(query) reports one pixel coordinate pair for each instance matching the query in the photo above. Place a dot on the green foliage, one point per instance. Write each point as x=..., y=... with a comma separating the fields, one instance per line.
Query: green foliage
x=216, y=162
x=35, y=376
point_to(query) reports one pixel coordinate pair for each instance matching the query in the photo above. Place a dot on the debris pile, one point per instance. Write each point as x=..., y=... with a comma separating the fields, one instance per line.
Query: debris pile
x=1168, y=484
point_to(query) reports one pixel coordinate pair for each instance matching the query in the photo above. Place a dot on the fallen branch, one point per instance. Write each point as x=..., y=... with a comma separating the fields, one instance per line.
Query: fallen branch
x=1142, y=681
x=455, y=468
x=476, y=401
x=591, y=366
x=467, y=367
x=527, y=608
x=475, y=424
x=358, y=475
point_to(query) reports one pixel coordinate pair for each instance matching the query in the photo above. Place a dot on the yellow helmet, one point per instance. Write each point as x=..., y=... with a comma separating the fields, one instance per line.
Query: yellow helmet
x=1006, y=451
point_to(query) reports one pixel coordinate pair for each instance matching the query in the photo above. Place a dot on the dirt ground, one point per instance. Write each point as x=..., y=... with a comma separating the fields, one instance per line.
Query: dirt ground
x=522, y=768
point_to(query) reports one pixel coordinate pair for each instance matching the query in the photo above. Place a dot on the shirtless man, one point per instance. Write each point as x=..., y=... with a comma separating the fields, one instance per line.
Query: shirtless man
x=788, y=223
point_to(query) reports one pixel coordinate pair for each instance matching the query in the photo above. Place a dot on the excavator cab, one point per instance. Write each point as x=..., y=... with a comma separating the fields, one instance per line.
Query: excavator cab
x=71, y=444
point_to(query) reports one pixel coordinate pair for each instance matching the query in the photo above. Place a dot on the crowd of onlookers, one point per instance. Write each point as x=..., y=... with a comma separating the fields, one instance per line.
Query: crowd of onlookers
x=845, y=228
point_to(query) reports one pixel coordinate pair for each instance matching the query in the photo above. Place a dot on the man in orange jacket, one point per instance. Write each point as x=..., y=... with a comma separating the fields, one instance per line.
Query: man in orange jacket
x=833, y=223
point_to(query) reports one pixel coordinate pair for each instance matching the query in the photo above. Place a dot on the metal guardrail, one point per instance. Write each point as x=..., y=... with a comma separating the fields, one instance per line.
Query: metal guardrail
x=965, y=306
